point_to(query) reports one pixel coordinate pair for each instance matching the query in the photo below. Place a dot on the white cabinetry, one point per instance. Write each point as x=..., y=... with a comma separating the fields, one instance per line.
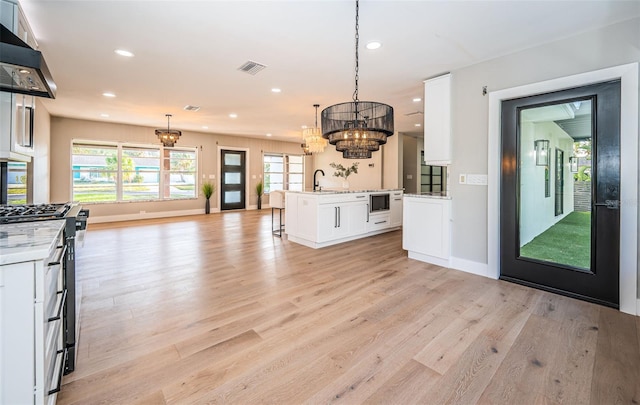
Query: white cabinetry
x=16, y=110
x=395, y=208
x=12, y=17
x=426, y=229
x=437, y=120
x=31, y=330
x=323, y=219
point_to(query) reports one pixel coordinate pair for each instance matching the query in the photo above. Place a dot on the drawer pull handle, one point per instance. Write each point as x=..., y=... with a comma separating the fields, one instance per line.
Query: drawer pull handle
x=378, y=223
x=360, y=196
x=397, y=199
x=60, y=372
x=63, y=300
x=60, y=256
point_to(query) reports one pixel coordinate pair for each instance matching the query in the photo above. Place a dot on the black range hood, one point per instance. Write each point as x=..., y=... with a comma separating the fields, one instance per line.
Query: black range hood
x=22, y=68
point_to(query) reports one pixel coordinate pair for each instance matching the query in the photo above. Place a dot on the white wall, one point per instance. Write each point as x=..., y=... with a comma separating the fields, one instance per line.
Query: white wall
x=610, y=46
x=369, y=174
x=537, y=213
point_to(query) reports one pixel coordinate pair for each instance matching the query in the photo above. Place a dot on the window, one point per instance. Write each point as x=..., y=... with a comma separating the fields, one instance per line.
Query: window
x=114, y=172
x=283, y=172
x=432, y=178
x=16, y=183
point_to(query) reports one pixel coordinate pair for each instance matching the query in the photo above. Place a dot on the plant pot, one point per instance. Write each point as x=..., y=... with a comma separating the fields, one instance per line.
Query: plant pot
x=207, y=207
x=345, y=184
x=259, y=202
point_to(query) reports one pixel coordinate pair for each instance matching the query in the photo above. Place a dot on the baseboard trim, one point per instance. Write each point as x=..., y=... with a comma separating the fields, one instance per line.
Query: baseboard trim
x=146, y=215
x=438, y=261
x=469, y=266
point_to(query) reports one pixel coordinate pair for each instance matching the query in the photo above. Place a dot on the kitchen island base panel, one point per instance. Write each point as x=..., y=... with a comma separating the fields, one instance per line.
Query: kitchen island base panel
x=316, y=245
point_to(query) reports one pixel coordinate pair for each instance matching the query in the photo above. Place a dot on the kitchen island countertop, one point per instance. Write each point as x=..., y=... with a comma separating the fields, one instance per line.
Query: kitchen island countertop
x=21, y=242
x=339, y=191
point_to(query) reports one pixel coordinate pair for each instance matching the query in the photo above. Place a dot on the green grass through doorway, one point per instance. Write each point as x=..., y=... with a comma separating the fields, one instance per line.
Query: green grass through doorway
x=567, y=242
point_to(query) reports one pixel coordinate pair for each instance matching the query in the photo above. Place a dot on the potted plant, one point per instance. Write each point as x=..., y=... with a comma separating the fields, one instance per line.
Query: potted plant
x=259, y=192
x=344, y=172
x=207, y=190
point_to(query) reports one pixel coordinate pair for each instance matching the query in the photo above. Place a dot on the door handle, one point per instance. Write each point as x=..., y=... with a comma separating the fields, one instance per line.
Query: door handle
x=368, y=212
x=335, y=217
x=610, y=204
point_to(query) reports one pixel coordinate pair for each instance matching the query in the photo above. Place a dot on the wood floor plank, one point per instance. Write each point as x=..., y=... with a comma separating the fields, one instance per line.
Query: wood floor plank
x=616, y=374
x=215, y=309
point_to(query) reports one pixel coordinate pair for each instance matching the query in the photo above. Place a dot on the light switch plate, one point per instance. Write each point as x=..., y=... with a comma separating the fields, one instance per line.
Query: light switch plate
x=462, y=179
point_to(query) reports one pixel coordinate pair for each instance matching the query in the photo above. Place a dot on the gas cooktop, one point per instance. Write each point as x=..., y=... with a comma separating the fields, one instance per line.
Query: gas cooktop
x=32, y=212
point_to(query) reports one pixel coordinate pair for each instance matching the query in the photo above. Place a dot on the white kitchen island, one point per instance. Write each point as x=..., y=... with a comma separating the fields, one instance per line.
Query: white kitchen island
x=426, y=227
x=323, y=218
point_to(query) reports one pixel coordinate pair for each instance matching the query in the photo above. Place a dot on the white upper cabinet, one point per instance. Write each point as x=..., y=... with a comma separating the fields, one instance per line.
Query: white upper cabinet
x=437, y=121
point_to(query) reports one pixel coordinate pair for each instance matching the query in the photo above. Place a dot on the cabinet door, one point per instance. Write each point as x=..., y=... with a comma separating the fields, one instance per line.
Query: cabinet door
x=425, y=228
x=327, y=222
x=356, y=217
x=395, y=206
x=437, y=120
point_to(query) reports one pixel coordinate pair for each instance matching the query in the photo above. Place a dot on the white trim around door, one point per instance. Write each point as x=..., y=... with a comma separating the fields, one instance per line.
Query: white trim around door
x=247, y=173
x=628, y=74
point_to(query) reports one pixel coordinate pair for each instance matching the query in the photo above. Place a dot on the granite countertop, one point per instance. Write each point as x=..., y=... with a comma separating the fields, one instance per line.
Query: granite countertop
x=438, y=195
x=339, y=191
x=27, y=241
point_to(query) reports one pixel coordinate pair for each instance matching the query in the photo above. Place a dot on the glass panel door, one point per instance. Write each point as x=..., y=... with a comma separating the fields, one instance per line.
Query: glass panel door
x=233, y=180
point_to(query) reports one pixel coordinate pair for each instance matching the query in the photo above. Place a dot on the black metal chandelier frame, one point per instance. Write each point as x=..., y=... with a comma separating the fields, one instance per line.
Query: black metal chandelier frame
x=357, y=128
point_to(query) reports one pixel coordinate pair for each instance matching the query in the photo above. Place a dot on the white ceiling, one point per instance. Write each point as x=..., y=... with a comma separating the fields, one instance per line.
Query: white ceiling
x=188, y=52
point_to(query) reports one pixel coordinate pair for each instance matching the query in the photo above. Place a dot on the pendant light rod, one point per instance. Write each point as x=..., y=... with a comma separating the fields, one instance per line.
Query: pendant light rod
x=355, y=93
x=316, y=106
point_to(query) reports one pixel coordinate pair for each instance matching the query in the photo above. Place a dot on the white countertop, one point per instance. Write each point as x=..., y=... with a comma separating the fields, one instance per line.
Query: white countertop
x=439, y=196
x=338, y=191
x=27, y=241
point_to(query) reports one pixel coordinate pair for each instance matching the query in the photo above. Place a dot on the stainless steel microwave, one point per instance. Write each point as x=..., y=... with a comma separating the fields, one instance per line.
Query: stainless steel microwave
x=379, y=202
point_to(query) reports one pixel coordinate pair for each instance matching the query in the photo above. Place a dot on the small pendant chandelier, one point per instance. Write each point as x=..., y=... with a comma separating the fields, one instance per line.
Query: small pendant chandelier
x=357, y=128
x=313, y=137
x=168, y=136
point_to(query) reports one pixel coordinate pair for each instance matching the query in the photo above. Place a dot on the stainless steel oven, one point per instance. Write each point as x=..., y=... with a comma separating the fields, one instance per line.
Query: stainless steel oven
x=378, y=202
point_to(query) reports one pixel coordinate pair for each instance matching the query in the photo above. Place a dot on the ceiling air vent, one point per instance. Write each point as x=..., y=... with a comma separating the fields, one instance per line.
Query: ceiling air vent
x=252, y=67
x=191, y=108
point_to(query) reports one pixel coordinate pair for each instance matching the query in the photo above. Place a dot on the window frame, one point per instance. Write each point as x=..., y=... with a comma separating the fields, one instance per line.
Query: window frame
x=119, y=182
x=286, y=172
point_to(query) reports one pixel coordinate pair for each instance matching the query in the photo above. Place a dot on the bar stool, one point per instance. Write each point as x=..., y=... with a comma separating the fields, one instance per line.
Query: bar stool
x=276, y=201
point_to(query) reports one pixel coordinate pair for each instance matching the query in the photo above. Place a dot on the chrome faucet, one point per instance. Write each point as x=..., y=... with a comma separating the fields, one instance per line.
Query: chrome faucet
x=316, y=184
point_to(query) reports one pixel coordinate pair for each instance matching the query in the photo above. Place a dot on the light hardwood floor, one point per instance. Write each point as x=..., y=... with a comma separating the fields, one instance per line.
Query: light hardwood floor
x=214, y=309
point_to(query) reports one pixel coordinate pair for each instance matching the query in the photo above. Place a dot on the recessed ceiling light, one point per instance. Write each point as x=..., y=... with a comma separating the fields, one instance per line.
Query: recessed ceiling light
x=108, y=94
x=373, y=45
x=268, y=134
x=104, y=115
x=417, y=99
x=304, y=127
x=24, y=71
x=205, y=127
x=123, y=52
x=233, y=115
x=417, y=125
x=276, y=90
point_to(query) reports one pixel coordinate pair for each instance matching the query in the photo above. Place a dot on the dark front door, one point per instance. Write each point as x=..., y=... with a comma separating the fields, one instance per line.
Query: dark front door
x=233, y=180
x=568, y=241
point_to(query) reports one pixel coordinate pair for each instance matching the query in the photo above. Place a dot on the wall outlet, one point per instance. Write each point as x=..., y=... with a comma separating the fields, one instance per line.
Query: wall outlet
x=253, y=176
x=462, y=179
x=212, y=176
